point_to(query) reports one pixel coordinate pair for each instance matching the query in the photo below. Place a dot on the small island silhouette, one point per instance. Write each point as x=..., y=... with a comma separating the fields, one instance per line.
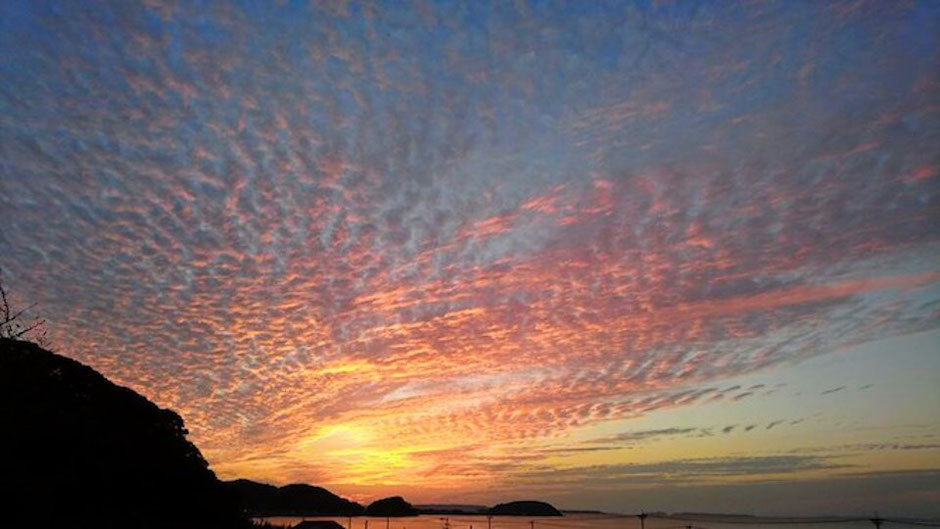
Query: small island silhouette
x=525, y=508
x=394, y=506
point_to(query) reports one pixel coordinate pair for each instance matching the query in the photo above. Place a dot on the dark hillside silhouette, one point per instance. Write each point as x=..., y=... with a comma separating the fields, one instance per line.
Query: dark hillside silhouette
x=80, y=451
x=267, y=500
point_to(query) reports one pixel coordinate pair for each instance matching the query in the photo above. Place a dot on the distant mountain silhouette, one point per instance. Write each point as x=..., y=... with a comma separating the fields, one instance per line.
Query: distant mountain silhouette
x=394, y=506
x=80, y=451
x=525, y=508
x=298, y=499
x=454, y=508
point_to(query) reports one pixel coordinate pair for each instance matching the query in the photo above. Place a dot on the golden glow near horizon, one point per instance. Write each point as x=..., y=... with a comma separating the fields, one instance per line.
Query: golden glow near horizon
x=613, y=255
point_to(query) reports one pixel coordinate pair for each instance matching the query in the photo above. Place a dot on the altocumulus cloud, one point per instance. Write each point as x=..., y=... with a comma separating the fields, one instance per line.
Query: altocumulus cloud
x=299, y=224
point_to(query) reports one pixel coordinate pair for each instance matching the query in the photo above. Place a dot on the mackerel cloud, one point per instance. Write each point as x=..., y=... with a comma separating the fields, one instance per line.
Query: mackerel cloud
x=468, y=228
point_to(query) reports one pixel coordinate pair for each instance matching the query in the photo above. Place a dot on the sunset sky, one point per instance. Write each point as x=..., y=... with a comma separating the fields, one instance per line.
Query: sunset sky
x=613, y=255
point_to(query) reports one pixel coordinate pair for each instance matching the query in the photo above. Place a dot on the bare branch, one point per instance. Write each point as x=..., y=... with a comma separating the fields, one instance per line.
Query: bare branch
x=12, y=324
x=18, y=314
x=22, y=332
x=6, y=305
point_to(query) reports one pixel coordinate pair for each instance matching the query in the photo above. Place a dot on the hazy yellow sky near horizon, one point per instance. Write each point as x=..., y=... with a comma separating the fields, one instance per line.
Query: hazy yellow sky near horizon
x=877, y=418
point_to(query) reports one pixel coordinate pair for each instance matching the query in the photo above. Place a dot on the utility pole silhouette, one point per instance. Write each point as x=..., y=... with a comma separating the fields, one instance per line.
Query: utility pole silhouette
x=642, y=516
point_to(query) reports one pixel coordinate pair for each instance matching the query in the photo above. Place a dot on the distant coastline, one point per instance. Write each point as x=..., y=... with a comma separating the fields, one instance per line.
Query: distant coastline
x=299, y=499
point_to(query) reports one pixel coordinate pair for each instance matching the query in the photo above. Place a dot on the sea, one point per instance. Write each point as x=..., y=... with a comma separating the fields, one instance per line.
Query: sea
x=601, y=521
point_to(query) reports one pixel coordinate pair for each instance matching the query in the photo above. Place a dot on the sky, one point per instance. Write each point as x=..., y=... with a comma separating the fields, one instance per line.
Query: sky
x=613, y=255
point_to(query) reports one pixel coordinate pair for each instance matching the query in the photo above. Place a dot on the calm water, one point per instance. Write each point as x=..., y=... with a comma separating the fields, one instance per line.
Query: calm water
x=573, y=521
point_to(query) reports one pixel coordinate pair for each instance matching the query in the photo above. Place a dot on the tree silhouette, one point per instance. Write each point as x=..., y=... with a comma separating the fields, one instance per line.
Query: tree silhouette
x=83, y=452
x=16, y=325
